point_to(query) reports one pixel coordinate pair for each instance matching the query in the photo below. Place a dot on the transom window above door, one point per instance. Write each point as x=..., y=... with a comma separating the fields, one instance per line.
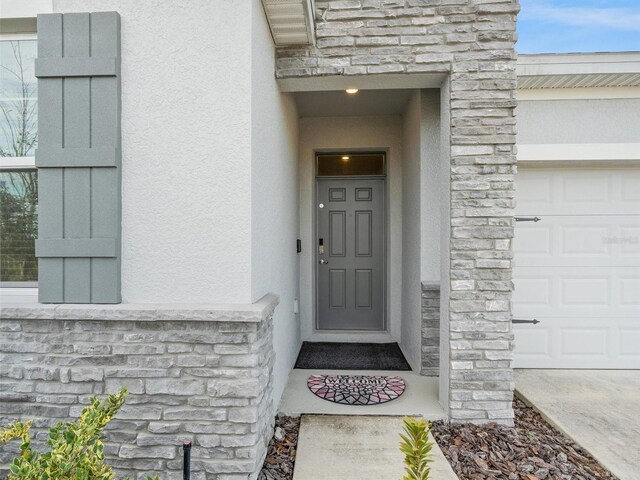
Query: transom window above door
x=348, y=164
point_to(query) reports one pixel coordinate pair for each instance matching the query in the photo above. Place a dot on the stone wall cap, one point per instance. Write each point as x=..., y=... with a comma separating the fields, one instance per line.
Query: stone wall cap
x=195, y=312
x=430, y=285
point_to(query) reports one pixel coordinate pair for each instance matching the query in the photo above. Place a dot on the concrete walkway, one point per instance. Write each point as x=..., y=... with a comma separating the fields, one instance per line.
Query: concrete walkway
x=598, y=409
x=342, y=447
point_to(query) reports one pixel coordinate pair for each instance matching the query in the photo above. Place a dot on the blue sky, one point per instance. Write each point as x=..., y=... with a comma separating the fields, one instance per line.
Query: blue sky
x=560, y=26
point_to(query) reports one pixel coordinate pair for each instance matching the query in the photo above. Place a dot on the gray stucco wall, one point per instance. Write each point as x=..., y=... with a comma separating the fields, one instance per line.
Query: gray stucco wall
x=411, y=244
x=579, y=121
x=274, y=198
x=431, y=178
x=473, y=42
x=206, y=381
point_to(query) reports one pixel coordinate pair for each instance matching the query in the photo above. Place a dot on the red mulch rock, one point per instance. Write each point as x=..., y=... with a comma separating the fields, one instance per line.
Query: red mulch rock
x=281, y=452
x=531, y=450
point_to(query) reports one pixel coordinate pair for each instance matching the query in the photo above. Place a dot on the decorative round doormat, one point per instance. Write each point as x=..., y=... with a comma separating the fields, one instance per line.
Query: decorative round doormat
x=356, y=389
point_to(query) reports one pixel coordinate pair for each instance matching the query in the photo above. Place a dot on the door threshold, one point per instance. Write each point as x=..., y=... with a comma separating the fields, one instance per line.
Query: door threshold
x=354, y=336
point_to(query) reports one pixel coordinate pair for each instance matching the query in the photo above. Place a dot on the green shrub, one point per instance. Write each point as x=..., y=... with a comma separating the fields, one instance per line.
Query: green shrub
x=76, y=449
x=416, y=448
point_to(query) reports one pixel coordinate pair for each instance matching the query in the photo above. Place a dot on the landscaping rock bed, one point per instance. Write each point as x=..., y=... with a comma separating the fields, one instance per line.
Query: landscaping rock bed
x=531, y=450
x=281, y=452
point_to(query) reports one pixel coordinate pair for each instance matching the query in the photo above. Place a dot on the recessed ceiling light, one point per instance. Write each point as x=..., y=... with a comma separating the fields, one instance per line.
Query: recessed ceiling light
x=351, y=91
x=345, y=158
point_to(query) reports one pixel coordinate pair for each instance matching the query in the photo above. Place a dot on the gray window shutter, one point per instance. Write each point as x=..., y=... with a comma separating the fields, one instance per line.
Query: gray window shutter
x=79, y=158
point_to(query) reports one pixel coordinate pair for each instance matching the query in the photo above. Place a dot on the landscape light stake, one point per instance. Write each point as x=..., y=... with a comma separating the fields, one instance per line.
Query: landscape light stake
x=186, y=466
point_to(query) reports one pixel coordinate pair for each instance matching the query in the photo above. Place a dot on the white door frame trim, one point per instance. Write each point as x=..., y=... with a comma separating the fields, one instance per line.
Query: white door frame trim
x=351, y=335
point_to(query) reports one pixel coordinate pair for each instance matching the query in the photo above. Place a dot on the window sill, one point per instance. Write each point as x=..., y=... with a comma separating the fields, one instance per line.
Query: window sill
x=137, y=312
x=18, y=295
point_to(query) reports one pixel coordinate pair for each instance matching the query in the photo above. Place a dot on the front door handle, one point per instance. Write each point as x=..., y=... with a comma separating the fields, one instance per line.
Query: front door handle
x=323, y=261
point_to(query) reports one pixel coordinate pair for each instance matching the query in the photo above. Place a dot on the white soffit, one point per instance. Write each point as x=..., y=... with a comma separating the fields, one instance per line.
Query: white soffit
x=290, y=21
x=579, y=70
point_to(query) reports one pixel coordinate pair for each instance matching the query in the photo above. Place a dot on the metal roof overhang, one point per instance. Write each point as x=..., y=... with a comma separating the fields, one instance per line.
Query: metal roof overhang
x=575, y=70
x=290, y=21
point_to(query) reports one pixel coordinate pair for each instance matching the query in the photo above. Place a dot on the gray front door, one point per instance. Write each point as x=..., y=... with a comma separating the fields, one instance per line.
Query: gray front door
x=350, y=254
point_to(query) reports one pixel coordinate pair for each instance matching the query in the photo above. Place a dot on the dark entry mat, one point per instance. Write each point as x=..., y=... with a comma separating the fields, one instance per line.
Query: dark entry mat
x=351, y=356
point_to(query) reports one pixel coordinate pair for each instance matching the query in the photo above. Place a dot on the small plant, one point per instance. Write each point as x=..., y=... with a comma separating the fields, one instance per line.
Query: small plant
x=416, y=448
x=76, y=449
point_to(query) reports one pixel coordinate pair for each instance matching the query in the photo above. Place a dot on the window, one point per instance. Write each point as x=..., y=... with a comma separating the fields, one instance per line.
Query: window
x=18, y=177
x=338, y=164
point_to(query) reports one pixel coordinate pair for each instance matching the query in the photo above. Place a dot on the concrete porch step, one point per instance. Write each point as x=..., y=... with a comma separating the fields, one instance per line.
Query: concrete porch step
x=419, y=399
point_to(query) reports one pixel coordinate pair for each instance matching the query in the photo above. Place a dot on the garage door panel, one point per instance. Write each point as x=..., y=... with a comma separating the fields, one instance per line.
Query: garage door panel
x=532, y=342
x=533, y=291
x=585, y=291
x=578, y=269
x=534, y=242
x=578, y=241
x=534, y=191
x=630, y=291
x=585, y=239
x=577, y=191
x=583, y=341
x=558, y=342
x=576, y=291
x=533, y=361
x=629, y=240
x=585, y=189
x=629, y=341
x=629, y=186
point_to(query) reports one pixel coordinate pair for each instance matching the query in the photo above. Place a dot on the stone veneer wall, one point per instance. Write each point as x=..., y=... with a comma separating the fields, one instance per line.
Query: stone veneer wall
x=205, y=381
x=430, y=330
x=472, y=41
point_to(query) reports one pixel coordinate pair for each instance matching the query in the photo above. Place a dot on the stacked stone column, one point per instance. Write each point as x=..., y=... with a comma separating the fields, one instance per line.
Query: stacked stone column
x=482, y=201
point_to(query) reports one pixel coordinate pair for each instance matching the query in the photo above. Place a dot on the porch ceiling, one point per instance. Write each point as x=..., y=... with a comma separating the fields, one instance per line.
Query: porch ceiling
x=337, y=103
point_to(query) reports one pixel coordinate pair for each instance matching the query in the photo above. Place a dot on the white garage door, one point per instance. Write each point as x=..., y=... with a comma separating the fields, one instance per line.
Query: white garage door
x=578, y=269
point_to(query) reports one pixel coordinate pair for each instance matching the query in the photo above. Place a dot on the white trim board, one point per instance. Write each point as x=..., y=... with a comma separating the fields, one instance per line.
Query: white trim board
x=7, y=37
x=578, y=63
x=584, y=93
x=363, y=82
x=10, y=163
x=350, y=336
x=22, y=295
x=580, y=152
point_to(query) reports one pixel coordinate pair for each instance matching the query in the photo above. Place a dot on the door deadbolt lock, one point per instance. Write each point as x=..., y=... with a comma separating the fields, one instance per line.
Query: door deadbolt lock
x=323, y=261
